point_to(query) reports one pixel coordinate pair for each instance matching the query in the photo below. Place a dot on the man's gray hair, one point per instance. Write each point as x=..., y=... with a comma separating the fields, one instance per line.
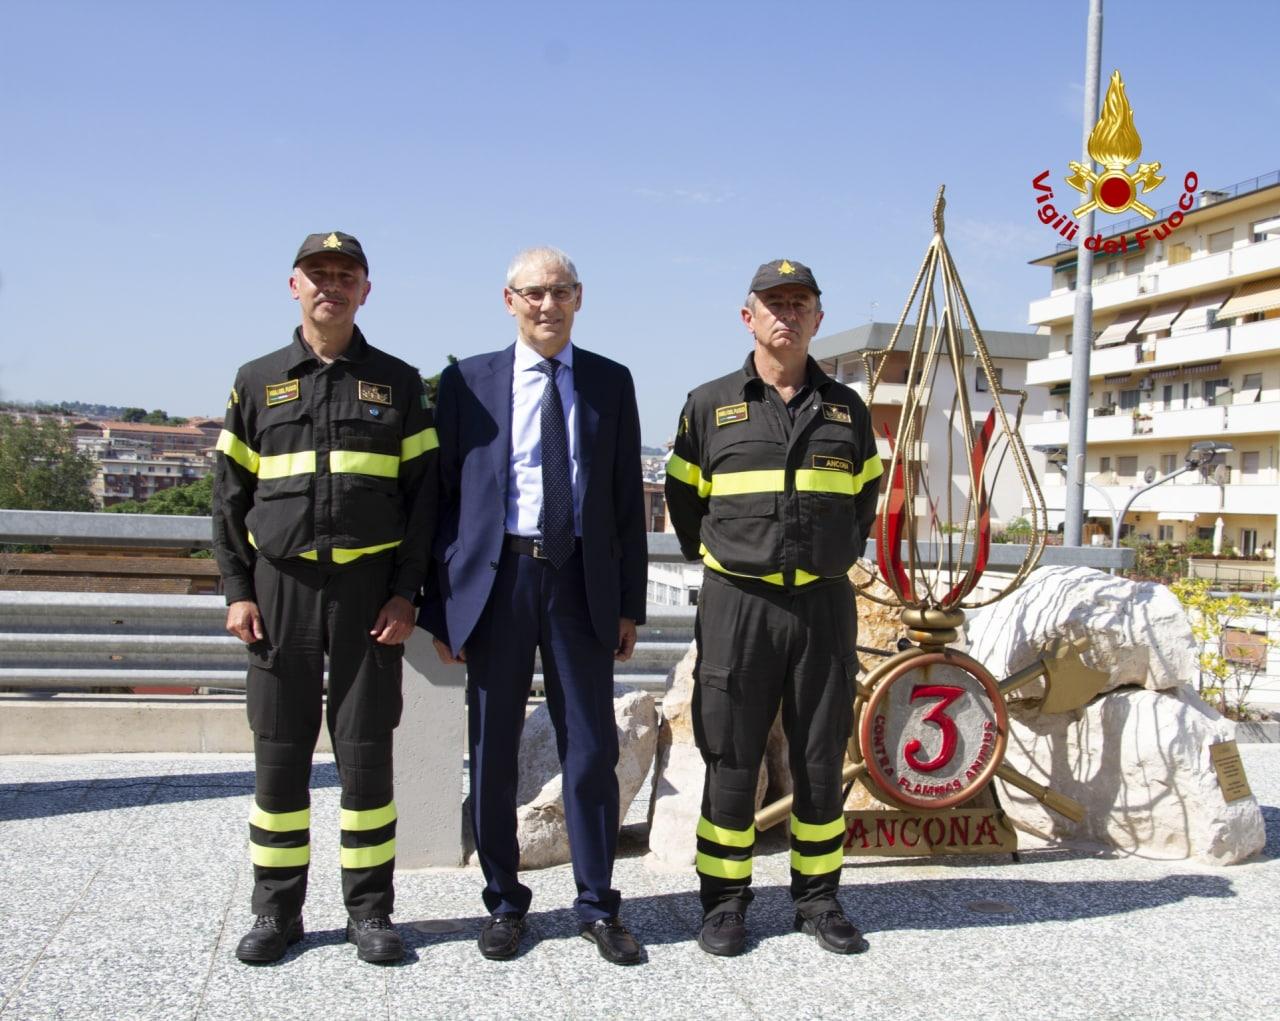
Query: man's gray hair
x=538, y=256
x=752, y=298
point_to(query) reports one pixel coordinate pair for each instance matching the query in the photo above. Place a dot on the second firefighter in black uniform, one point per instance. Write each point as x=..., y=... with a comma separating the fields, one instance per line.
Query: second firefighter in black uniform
x=772, y=483
x=323, y=513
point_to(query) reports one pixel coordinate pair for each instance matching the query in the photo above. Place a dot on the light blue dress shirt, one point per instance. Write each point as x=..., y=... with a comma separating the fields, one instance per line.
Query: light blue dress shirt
x=524, y=475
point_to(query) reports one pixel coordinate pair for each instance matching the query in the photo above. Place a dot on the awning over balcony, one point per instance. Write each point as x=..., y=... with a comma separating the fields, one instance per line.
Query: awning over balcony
x=1162, y=318
x=1201, y=369
x=1120, y=330
x=1176, y=516
x=1196, y=317
x=1259, y=296
x=1059, y=389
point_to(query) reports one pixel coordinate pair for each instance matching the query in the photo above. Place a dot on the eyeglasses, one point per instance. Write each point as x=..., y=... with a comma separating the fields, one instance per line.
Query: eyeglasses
x=561, y=294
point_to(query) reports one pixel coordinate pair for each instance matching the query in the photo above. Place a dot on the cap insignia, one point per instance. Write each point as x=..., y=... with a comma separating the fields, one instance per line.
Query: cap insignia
x=786, y=269
x=332, y=241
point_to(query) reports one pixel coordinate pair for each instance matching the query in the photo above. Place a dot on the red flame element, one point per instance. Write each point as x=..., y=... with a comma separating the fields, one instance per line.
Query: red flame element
x=889, y=535
x=966, y=584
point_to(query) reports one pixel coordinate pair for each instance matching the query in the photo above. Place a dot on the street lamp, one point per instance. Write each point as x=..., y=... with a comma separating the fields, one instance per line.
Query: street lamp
x=1202, y=452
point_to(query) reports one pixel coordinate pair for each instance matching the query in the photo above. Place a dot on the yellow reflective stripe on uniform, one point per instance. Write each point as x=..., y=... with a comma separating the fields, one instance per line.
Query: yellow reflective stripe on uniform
x=721, y=835
x=360, y=462
x=345, y=556
x=239, y=451
x=765, y=480
x=714, y=564
x=722, y=868
x=872, y=468
x=817, y=864
x=821, y=480
x=368, y=857
x=279, y=466
x=816, y=831
x=368, y=818
x=418, y=443
x=309, y=555
x=280, y=822
x=279, y=857
x=682, y=471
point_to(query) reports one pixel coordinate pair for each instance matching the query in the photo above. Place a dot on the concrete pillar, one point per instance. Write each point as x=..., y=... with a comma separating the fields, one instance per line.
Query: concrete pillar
x=429, y=749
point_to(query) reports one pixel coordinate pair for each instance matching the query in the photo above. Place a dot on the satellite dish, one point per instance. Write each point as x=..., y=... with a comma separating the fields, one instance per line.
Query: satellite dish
x=1149, y=474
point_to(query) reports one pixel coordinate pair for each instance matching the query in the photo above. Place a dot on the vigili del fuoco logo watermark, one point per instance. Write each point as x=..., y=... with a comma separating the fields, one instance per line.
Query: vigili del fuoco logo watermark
x=1115, y=144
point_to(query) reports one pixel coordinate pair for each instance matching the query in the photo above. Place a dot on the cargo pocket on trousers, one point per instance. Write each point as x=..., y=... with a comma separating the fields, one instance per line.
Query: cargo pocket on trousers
x=712, y=709
x=389, y=661
x=262, y=689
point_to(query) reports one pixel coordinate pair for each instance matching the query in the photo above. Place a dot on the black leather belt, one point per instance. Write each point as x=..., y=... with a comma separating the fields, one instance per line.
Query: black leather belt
x=531, y=547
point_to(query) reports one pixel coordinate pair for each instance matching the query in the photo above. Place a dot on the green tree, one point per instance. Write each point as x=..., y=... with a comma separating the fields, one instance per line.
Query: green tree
x=133, y=414
x=190, y=500
x=40, y=467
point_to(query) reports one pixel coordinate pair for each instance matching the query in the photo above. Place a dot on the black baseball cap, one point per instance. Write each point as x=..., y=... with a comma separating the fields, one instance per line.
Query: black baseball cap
x=333, y=243
x=783, y=271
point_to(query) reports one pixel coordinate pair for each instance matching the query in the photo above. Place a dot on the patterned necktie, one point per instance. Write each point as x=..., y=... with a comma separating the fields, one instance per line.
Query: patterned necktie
x=556, y=517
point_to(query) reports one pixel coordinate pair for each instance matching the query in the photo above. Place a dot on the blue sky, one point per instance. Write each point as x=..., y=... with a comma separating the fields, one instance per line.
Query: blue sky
x=162, y=161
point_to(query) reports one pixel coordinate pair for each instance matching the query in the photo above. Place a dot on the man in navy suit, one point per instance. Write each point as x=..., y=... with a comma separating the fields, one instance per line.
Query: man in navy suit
x=541, y=546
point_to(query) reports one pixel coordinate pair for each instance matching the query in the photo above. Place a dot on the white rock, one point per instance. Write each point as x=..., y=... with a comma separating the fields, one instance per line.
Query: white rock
x=544, y=840
x=676, y=804
x=1139, y=763
x=1137, y=631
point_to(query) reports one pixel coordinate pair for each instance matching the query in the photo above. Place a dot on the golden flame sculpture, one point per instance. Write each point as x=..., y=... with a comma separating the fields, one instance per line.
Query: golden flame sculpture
x=932, y=561
x=930, y=722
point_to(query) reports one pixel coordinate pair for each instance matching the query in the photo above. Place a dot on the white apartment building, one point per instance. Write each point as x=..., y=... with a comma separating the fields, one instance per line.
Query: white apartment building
x=1186, y=348
x=840, y=356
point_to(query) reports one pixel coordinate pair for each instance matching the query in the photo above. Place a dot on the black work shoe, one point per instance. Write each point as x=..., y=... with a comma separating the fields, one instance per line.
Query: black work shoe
x=835, y=932
x=616, y=945
x=375, y=938
x=723, y=934
x=500, y=937
x=269, y=938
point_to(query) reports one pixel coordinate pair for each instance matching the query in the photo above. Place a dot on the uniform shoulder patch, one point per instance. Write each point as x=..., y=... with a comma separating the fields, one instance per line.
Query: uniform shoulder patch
x=833, y=464
x=374, y=393
x=730, y=413
x=282, y=393
x=837, y=413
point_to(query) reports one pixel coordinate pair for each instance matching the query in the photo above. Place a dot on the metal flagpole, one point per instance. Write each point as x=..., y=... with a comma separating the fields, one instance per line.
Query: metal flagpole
x=1082, y=327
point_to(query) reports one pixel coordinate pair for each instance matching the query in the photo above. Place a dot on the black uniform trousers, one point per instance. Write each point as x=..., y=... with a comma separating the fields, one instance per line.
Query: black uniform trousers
x=309, y=611
x=760, y=647
x=534, y=606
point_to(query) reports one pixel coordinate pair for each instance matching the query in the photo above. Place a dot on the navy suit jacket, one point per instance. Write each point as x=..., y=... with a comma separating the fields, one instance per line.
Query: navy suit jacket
x=473, y=419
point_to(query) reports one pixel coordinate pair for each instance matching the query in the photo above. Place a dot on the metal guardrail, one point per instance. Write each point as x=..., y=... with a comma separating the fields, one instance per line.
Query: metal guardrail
x=81, y=640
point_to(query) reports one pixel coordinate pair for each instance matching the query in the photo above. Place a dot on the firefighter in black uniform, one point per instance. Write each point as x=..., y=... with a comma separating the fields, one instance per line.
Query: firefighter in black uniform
x=323, y=512
x=772, y=483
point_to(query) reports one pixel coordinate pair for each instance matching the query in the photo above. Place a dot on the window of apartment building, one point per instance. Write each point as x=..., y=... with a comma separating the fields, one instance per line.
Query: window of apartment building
x=1220, y=241
x=1168, y=464
x=1133, y=265
x=1249, y=463
x=1216, y=391
x=1265, y=230
x=1248, y=541
x=1129, y=399
x=1106, y=270
x=1186, y=394
x=1179, y=253
x=1104, y=464
x=1250, y=388
x=1164, y=533
x=1127, y=466
x=1166, y=396
x=980, y=379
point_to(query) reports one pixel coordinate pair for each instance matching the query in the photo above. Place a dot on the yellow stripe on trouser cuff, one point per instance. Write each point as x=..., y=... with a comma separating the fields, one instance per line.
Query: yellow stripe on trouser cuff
x=279, y=466
x=356, y=820
x=816, y=831
x=418, y=443
x=721, y=835
x=279, y=857
x=817, y=864
x=280, y=822
x=368, y=857
x=723, y=868
x=682, y=471
x=359, y=462
x=239, y=451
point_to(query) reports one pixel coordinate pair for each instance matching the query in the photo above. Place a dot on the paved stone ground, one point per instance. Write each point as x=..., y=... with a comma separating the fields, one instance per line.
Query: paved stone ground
x=126, y=887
